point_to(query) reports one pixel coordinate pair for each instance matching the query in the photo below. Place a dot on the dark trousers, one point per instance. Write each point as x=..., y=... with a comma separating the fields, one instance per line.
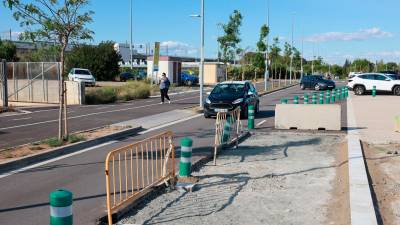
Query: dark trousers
x=164, y=94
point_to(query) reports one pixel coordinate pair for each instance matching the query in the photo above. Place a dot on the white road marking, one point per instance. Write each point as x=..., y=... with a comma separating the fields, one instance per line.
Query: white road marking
x=261, y=123
x=90, y=114
x=92, y=148
x=54, y=160
x=25, y=118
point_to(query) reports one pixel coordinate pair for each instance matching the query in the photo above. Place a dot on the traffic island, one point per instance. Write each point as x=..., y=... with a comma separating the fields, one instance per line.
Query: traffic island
x=272, y=178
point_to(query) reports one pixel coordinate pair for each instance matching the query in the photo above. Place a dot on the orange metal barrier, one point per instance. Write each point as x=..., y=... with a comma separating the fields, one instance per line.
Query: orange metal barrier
x=134, y=169
x=227, y=131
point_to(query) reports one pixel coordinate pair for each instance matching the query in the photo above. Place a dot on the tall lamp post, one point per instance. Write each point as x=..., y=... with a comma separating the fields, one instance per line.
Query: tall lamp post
x=266, y=73
x=201, y=67
x=130, y=46
x=291, y=52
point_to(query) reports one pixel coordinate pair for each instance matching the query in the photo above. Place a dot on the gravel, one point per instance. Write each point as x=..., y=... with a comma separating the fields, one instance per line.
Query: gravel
x=274, y=178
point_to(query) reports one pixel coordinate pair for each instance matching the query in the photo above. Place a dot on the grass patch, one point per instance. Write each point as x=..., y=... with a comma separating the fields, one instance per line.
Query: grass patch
x=53, y=142
x=73, y=138
x=130, y=91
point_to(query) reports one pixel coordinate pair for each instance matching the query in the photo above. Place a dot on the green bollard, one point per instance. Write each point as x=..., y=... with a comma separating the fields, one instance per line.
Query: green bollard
x=314, y=98
x=296, y=100
x=333, y=97
x=227, y=129
x=338, y=95
x=250, y=121
x=185, y=166
x=328, y=97
x=321, y=98
x=374, y=91
x=305, y=98
x=61, y=207
x=343, y=94
x=284, y=101
x=346, y=89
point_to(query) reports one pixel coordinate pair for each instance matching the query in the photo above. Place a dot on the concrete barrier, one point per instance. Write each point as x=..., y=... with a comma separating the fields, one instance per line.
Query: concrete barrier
x=308, y=117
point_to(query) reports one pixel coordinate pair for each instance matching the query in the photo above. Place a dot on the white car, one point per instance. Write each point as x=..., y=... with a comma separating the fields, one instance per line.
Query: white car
x=82, y=75
x=360, y=83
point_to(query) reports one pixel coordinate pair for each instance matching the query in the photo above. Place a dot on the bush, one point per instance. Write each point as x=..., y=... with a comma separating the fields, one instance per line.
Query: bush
x=102, y=95
x=73, y=138
x=133, y=90
x=130, y=91
x=53, y=142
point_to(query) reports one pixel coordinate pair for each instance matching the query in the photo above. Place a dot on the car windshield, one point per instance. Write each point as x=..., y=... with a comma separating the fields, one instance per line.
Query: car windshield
x=234, y=89
x=82, y=72
x=394, y=77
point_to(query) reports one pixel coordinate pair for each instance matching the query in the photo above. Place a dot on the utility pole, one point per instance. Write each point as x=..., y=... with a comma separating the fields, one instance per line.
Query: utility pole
x=266, y=73
x=302, y=52
x=131, y=50
x=291, y=52
x=201, y=69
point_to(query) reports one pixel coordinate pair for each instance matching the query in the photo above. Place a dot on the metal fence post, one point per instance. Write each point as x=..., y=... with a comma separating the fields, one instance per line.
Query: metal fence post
x=5, y=87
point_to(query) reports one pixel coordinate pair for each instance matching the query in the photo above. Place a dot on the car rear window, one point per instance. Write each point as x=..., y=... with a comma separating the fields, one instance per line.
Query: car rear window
x=228, y=89
x=82, y=72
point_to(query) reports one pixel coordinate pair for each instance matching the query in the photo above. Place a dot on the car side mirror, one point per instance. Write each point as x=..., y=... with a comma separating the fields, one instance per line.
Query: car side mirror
x=387, y=79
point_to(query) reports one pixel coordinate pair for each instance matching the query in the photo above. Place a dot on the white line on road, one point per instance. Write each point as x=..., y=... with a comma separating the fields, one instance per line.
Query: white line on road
x=91, y=114
x=53, y=160
x=92, y=148
x=261, y=123
x=25, y=118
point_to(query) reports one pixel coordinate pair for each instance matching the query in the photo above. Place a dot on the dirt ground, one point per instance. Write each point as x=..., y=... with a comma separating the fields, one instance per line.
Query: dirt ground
x=274, y=178
x=383, y=167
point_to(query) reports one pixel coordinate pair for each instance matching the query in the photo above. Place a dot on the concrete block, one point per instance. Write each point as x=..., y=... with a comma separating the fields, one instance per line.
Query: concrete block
x=308, y=117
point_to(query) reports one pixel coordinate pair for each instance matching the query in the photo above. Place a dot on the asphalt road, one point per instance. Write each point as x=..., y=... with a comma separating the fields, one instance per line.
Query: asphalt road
x=24, y=198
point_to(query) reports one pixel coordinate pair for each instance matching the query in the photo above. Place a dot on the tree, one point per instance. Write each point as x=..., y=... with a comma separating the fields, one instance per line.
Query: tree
x=228, y=43
x=47, y=53
x=8, y=51
x=258, y=61
x=101, y=60
x=63, y=21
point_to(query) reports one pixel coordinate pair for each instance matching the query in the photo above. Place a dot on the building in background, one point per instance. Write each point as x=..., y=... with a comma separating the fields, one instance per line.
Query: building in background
x=139, y=51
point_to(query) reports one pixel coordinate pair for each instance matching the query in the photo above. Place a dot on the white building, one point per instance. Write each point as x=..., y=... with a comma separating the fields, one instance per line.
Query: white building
x=124, y=50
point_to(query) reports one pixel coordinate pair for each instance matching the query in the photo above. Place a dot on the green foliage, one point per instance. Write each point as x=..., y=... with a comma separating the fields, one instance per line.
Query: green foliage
x=73, y=138
x=130, y=91
x=53, y=142
x=229, y=41
x=101, y=60
x=8, y=51
x=43, y=54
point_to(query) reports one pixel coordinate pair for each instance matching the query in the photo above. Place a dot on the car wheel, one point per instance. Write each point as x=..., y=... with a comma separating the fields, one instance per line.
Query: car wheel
x=317, y=87
x=396, y=90
x=302, y=87
x=245, y=113
x=189, y=83
x=207, y=116
x=359, y=90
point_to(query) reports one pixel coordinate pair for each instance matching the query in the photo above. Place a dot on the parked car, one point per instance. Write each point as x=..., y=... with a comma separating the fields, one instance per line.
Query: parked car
x=82, y=75
x=229, y=95
x=126, y=76
x=362, y=83
x=189, y=79
x=316, y=82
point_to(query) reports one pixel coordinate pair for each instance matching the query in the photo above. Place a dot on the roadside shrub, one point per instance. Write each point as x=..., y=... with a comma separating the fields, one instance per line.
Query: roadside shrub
x=133, y=90
x=53, y=142
x=102, y=95
x=73, y=138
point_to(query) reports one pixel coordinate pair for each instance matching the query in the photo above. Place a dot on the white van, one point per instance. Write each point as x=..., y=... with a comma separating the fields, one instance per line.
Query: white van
x=82, y=76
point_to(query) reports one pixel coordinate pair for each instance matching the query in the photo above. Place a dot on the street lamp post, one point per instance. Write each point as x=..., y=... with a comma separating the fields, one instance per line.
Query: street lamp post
x=266, y=73
x=201, y=67
x=291, y=52
x=130, y=47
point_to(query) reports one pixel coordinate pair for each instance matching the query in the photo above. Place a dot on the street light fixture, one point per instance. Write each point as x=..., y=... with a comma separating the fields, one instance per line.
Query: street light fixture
x=201, y=67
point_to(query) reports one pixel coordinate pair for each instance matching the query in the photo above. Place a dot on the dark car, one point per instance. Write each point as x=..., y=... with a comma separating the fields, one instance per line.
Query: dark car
x=316, y=82
x=126, y=76
x=188, y=79
x=229, y=95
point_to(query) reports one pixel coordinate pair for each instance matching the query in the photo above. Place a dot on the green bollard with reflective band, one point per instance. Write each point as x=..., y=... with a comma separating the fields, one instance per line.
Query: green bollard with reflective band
x=296, y=100
x=227, y=128
x=305, y=99
x=321, y=98
x=333, y=97
x=185, y=166
x=314, y=99
x=374, y=91
x=250, y=121
x=338, y=95
x=328, y=97
x=61, y=207
x=284, y=101
x=343, y=94
x=346, y=89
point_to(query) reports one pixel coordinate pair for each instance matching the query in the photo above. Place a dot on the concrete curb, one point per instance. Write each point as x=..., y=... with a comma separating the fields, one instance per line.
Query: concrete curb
x=53, y=153
x=362, y=210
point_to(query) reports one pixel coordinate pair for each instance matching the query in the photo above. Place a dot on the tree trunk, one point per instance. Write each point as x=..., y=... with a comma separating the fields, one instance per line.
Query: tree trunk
x=62, y=110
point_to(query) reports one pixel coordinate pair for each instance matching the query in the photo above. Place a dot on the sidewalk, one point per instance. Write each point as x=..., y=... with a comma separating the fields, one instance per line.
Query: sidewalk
x=273, y=178
x=375, y=118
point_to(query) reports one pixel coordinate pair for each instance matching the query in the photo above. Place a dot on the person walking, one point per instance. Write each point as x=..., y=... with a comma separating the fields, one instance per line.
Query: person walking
x=164, y=86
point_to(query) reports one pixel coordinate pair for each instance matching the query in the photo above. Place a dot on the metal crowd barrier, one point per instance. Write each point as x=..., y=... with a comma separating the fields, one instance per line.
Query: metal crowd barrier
x=228, y=128
x=134, y=169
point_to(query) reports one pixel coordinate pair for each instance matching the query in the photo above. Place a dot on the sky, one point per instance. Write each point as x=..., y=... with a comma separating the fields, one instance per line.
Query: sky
x=334, y=30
